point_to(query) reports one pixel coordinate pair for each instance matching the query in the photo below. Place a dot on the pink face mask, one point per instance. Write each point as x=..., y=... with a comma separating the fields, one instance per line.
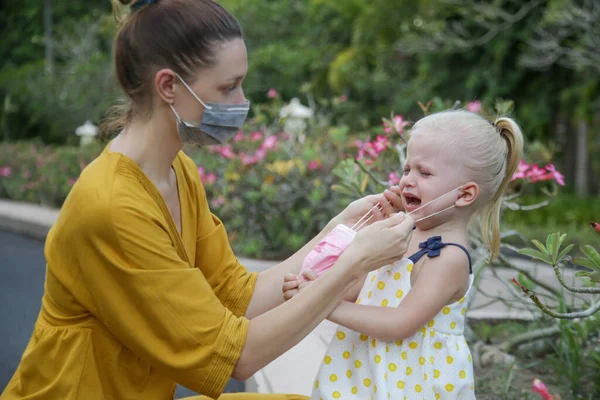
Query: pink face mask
x=327, y=251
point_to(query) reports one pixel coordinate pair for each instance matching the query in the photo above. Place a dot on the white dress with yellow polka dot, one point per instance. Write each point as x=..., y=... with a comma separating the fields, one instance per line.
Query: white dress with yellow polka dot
x=434, y=363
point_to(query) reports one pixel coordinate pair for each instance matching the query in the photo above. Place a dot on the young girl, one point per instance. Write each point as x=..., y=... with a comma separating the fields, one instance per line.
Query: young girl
x=401, y=334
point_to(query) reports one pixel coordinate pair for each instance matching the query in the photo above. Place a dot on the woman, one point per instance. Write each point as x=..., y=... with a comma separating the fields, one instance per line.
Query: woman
x=142, y=288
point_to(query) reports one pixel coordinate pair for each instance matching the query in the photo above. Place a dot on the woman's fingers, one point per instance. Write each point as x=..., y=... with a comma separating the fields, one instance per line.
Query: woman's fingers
x=394, y=197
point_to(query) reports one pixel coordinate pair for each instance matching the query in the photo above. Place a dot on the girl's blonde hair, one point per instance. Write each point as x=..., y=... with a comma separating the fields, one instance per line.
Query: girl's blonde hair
x=490, y=152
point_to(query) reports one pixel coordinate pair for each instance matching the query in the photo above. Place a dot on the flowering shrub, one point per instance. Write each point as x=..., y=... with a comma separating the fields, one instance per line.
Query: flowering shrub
x=275, y=184
x=41, y=174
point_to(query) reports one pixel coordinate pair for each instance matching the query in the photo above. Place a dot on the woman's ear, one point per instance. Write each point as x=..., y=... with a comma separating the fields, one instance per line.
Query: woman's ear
x=469, y=192
x=165, y=81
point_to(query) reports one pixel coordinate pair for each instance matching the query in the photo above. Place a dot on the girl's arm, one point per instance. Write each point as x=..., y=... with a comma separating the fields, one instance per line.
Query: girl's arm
x=438, y=283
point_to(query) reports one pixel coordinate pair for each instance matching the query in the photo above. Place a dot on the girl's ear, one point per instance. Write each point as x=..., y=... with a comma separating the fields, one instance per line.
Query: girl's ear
x=468, y=194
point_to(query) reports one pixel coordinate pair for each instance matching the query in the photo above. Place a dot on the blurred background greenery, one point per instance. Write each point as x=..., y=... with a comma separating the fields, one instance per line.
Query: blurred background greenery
x=352, y=62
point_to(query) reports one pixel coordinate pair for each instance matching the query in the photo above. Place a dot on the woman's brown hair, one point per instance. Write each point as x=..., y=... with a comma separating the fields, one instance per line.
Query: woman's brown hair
x=155, y=34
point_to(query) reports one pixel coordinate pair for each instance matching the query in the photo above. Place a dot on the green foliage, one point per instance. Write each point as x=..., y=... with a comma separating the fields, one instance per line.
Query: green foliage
x=80, y=88
x=380, y=55
x=591, y=261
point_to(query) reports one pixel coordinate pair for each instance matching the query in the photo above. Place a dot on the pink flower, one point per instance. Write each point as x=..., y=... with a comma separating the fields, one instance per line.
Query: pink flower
x=248, y=159
x=210, y=178
x=380, y=144
x=557, y=176
x=386, y=127
x=256, y=136
x=538, y=387
x=5, y=171
x=343, y=98
x=260, y=155
x=225, y=151
x=393, y=179
x=269, y=143
x=474, y=106
x=314, y=165
x=72, y=181
x=238, y=137
x=219, y=201
x=366, y=148
x=400, y=123
x=521, y=170
x=535, y=173
x=272, y=93
x=26, y=174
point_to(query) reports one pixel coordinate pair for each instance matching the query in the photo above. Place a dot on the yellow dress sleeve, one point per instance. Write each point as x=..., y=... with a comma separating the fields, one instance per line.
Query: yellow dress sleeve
x=229, y=279
x=155, y=303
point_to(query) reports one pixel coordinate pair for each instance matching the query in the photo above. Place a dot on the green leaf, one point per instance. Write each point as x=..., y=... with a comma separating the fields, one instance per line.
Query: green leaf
x=540, y=246
x=550, y=240
x=584, y=262
x=580, y=274
x=592, y=254
x=562, y=239
x=595, y=276
x=565, y=251
x=535, y=254
x=557, y=244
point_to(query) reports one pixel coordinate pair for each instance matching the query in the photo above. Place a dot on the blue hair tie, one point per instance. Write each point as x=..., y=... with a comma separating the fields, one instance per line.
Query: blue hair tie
x=141, y=3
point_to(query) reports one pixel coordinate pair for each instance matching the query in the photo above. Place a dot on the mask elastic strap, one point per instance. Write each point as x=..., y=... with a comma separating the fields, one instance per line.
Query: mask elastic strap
x=435, y=213
x=175, y=112
x=434, y=200
x=192, y=92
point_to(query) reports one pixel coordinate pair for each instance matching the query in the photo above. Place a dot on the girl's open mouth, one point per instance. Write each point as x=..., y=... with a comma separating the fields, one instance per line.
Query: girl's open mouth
x=412, y=202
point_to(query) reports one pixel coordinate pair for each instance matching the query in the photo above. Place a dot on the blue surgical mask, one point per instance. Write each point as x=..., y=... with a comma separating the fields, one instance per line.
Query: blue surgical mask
x=220, y=122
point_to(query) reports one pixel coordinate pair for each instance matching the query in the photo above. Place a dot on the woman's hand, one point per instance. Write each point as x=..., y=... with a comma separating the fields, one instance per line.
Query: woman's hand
x=382, y=206
x=381, y=243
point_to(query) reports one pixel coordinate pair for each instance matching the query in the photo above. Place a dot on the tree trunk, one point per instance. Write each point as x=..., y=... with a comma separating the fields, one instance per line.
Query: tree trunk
x=48, y=39
x=581, y=159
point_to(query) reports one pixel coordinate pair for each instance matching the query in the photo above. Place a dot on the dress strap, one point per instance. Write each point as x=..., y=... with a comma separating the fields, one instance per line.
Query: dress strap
x=433, y=246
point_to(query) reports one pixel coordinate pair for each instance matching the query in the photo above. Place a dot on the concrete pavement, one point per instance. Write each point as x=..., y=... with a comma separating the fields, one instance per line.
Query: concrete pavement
x=294, y=371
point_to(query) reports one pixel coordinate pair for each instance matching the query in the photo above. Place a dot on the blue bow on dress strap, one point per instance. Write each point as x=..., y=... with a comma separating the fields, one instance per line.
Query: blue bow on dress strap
x=432, y=247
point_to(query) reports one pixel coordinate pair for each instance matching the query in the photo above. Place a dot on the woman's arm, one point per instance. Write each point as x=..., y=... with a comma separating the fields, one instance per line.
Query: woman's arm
x=439, y=283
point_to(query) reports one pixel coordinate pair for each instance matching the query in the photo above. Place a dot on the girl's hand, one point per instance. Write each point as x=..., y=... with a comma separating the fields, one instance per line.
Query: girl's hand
x=292, y=284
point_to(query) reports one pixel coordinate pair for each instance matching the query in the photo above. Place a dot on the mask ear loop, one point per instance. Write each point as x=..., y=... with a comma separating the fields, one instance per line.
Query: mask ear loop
x=362, y=222
x=192, y=92
x=356, y=227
